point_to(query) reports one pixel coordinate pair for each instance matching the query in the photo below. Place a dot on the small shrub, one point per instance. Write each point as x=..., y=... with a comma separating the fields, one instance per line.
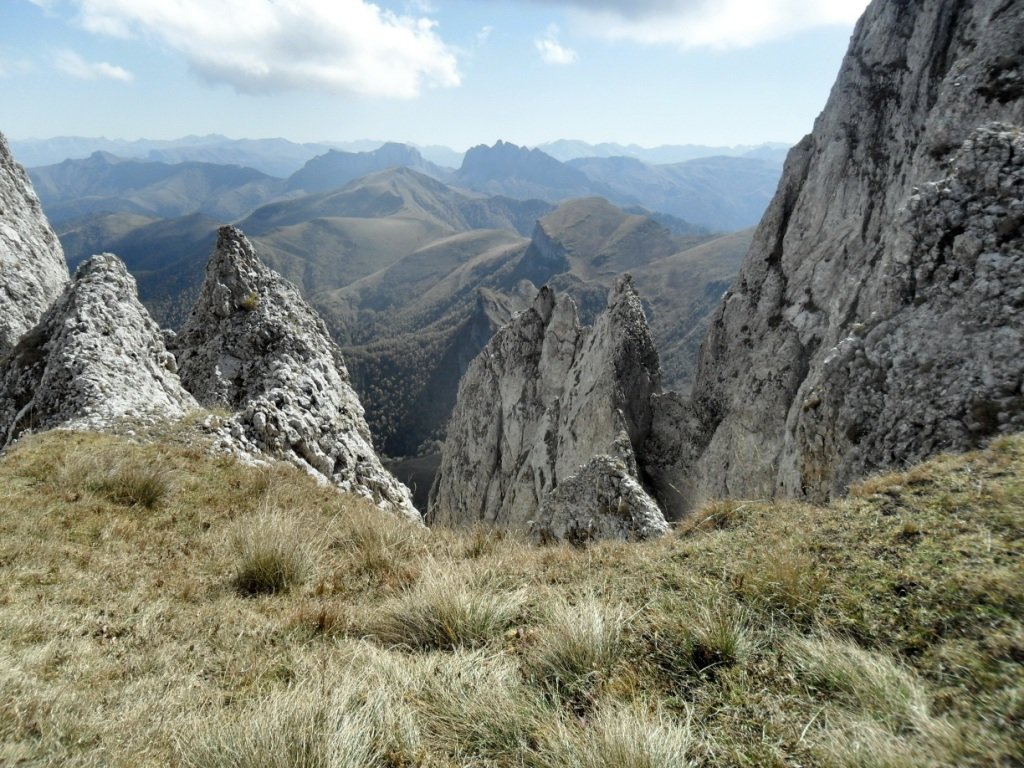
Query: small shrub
x=273, y=553
x=250, y=301
x=578, y=648
x=443, y=613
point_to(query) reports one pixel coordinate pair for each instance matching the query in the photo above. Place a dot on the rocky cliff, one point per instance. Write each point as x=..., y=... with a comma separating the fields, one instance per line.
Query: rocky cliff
x=251, y=344
x=542, y=401
x=95, y=358
x=878, y=316
x=32, y=269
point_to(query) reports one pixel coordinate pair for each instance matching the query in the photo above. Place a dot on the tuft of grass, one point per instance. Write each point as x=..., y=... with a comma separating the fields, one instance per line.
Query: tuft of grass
x=273, y=553
x=379, y=549
x=623, y=736
x=871, y=684
x=578, y=647
x=717, y=515
x=443, y=612
x=475, y=706
x=786, y=580
x=300, y=728
x=133, y=484
x=118, y=476
x=718, y=634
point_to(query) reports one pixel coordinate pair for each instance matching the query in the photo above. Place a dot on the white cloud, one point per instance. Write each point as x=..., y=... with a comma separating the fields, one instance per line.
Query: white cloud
x=341, y=46
x=552, y=51
x=70, y=63
x=707, y=23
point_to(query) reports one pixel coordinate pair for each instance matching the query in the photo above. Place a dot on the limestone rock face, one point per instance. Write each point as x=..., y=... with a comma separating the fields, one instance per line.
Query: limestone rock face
x=32, y=268
x=543, y=399
x=253, y=345
x=96, y=357
x=877, y=317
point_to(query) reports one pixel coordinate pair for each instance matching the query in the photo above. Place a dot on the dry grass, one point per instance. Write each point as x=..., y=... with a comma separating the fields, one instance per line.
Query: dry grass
x=885, y=630
x=273, y=552
x=578, y=647
x=443, y=612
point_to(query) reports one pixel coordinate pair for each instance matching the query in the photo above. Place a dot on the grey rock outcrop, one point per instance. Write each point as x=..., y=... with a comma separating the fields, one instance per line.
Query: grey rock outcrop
x=543, y=399
x=95, y=358
x=252, y=345
x=32, y=268
x=603, y=500
x=878, y=316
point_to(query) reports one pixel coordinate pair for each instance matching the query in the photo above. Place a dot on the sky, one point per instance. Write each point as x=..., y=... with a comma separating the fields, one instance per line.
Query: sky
x=450, y=72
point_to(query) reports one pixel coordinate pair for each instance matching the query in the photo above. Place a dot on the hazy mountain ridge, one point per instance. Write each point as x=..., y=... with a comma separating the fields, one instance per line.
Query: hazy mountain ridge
x=402, y=326
x=718, y=194
x=104, y=183
x=572, y=149
x=337, y=168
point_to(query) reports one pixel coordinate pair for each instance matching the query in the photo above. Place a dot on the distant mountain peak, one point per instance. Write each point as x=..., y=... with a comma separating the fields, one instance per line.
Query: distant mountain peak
x=336, y=168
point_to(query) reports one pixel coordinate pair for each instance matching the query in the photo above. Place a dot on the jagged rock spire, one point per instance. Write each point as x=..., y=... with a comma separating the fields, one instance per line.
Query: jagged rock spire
x=253, y=345
x=544, y=400
x=95, y=358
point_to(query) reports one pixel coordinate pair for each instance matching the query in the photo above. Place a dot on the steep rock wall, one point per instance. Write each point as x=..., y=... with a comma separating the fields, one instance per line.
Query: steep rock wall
x=32, y=268
x=876, y=318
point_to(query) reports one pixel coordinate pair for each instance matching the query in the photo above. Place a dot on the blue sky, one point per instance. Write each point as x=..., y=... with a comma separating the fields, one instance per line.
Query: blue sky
x=453, y=72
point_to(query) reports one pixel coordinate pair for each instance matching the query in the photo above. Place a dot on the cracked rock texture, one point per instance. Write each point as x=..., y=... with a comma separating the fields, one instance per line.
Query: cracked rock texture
x=252, y=345
x=603, y=500
x=32, y=268
x=95, y=358
x=543, y=399
x=877, y=318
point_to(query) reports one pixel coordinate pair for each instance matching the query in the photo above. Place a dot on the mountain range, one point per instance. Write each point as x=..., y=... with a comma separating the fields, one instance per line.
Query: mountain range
x=413, y=276
x=414, y=267
x=280, y=157
x=718, y=193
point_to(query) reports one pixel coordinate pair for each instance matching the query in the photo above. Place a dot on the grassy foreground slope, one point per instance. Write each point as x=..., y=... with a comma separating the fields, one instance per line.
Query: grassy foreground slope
x=160, y=607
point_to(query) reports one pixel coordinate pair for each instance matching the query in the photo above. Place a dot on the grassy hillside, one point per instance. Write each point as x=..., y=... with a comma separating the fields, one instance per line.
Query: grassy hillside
x=164, y=608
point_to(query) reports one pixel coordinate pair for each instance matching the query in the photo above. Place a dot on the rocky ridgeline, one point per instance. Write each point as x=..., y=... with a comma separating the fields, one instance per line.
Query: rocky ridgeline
x=252, y=345
x=95, y=358
x=877, y=318
x=547, y=423
x=32, y=268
